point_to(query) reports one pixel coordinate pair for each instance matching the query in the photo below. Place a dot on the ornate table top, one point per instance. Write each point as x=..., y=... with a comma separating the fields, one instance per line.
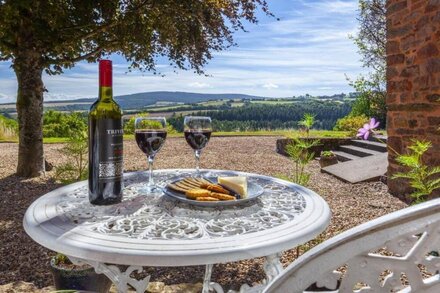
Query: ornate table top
x=159, y=231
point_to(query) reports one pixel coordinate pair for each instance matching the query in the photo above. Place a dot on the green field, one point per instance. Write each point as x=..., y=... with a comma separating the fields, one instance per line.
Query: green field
x=272, y=102
x=282, y=133
x=212, y=103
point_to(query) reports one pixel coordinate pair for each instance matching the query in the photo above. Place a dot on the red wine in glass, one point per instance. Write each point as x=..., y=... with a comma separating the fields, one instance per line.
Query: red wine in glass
x=150, y=141
x=197, y=131
x=197, y=140
x=150, y=134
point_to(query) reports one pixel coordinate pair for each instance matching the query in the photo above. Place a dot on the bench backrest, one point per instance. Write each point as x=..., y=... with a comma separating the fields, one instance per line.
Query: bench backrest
x=375, y=257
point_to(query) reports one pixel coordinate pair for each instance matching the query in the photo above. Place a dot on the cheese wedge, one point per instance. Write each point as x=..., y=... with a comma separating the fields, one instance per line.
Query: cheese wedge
x=237, y=184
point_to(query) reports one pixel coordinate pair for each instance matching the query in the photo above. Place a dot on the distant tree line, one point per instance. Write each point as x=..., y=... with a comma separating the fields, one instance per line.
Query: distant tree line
x=270, y=117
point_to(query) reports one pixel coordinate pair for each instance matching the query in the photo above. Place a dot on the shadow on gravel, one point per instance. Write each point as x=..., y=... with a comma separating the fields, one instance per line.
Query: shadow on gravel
x=20, y=257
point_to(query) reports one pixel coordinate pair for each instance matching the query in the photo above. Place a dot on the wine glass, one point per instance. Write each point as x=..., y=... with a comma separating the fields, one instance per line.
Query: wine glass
x=150, y=133
x=197, y=132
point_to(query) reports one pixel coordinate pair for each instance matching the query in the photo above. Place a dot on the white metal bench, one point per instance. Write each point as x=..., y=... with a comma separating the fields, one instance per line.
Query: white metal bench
x=387, y=254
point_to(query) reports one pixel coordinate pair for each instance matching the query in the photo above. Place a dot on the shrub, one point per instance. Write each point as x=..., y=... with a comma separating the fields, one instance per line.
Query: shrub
x=8, y=128
x=129, y=124
x=57, y=124
x=76, y=149
x=350, y=123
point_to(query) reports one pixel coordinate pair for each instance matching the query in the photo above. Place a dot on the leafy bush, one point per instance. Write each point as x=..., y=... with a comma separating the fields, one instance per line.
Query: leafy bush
x=57, y=124
x=327, y=154
x=129, y=124
x=351, y=123
x=8, y=128
x=76, y=149
x=422, y=178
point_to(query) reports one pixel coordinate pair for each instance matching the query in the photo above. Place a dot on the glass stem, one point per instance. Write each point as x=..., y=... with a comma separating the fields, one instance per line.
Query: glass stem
x=197, y=154
x=150, y=169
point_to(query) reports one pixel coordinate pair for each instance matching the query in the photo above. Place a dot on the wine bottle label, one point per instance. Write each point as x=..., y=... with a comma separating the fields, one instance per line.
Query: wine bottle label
x=110, y=149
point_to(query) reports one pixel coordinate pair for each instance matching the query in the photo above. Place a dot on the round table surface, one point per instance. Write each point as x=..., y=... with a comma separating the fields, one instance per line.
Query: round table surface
x=156, y=230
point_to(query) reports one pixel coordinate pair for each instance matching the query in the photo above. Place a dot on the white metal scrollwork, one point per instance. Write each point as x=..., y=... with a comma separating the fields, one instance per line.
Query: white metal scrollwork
x=395, y=253
x=164, y=218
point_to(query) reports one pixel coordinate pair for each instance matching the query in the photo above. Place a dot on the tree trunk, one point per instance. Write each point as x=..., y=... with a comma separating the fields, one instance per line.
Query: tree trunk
x=29, y=71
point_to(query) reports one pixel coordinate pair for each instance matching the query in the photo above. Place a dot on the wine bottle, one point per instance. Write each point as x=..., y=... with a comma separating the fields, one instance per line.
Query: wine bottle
x=105, y=143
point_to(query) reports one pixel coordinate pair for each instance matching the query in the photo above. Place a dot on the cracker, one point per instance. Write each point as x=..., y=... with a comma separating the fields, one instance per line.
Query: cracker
x=207, y=198
x=217, y=188
x=177, y=188
x=222, y=196
x=185, y=185
x=197, y=192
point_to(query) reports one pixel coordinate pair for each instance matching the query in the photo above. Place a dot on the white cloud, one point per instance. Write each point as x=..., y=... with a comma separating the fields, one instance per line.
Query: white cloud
x=270, y=86
x=307, y=51
x=199, y=85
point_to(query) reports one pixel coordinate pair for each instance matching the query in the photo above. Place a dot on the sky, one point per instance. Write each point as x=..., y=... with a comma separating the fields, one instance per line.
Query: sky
x=307, y=51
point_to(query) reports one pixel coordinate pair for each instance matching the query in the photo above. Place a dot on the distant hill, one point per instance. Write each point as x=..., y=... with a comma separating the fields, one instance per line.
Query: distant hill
x=141, y=100
x=151, y=98
x=161, y=100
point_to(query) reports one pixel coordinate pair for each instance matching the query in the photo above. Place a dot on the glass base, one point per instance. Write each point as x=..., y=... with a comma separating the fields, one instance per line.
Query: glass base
x=153, y=189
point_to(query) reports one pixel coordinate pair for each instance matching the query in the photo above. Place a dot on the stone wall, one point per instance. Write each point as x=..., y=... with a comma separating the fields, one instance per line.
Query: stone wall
x=413, y=75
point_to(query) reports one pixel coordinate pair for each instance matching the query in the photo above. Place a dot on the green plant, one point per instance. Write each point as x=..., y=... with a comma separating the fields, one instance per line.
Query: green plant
x=51, y=36
x=327, y=154
x=57, y=124
x=76, y=150
x=422, y=178
x=60, y=259
x=129, y=124
x=307, y=122
x=8, y=128
x=350, y=124
x=300, y=154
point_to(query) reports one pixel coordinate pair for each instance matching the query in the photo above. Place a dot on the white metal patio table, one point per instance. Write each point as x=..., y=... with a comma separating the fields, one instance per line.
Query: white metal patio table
x=156, y=230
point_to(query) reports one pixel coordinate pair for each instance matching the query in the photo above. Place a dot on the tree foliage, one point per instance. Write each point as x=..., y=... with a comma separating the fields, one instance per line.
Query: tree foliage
x=51, y=36
x=65, y=32
x=371, y=43
x=270, y=117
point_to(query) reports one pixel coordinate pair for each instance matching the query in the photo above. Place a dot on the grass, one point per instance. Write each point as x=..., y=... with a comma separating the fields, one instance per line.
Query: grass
x=283, y=133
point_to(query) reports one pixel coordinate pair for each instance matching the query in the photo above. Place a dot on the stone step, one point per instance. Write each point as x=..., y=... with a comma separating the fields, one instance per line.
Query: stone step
x=371, y=145
x=364, y=169
x=358, y=151
x=343, y=156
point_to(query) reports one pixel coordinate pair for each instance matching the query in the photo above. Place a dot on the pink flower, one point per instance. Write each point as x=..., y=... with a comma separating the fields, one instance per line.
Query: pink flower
x=368, y=128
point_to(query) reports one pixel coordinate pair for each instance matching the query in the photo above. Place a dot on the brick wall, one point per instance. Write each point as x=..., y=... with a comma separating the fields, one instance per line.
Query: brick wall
x=413, y=75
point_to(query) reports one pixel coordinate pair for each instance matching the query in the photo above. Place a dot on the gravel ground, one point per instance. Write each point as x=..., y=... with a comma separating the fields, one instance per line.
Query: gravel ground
x=21, y=259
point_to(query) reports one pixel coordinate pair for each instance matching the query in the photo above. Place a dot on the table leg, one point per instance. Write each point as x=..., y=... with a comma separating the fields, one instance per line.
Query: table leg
x=207, y=284
x=272, y=266
x=120, y=279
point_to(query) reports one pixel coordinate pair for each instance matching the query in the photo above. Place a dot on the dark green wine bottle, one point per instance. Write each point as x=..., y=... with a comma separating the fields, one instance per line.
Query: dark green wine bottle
x=105, y=143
